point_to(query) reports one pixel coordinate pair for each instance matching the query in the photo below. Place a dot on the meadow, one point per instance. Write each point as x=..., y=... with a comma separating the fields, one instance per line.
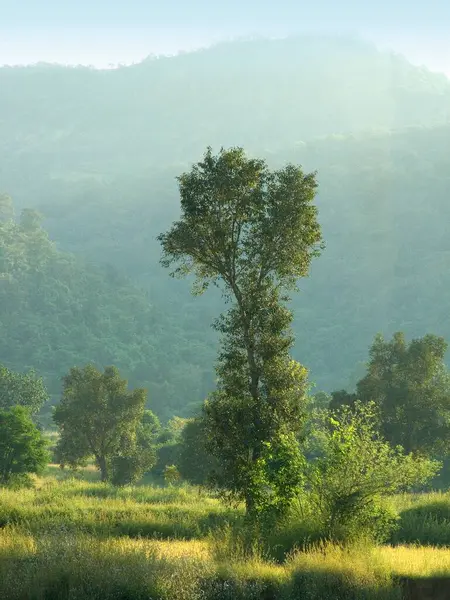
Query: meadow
x=72, y=537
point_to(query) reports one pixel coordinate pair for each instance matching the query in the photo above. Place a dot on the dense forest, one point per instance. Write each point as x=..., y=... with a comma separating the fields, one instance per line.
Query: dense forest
x=59, y=311
x=97, y=152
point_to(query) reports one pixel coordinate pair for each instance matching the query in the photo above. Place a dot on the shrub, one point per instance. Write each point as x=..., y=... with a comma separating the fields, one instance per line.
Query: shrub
x=356, y=469
x=23, y=449
x=127, y=470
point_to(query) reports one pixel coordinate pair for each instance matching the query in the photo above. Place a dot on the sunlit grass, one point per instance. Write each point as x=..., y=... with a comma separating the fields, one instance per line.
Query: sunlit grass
x=137, y=568
x=77, y=538
x=101, y=509
x=412, y=561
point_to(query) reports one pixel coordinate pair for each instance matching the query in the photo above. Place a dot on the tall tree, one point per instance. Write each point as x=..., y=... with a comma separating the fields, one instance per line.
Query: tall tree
x=97, y=416
x=252, y=232
x=410, y=386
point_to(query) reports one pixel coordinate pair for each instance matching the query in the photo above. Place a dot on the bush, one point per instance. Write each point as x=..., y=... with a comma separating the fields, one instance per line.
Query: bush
x=167, y=454
x=23, y=449
x=355, y=471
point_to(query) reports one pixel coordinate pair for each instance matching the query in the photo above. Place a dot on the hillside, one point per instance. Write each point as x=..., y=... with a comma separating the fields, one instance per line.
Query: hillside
x=98, y=152
x=57, y=312
x=73, y=123
x=383, y=201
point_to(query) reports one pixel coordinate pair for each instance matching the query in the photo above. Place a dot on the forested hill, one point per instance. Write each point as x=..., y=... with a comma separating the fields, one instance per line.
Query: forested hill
x=262, y=94
x=384, y=208
x=57, y=312
x=97, y=153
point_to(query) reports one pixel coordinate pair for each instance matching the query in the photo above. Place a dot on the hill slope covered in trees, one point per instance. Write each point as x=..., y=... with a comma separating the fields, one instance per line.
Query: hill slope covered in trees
x=97, y=152
x=58, y=312
x=383, y=202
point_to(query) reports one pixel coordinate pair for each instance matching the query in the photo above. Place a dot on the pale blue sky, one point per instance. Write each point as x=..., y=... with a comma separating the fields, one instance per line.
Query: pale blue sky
x=100, y=32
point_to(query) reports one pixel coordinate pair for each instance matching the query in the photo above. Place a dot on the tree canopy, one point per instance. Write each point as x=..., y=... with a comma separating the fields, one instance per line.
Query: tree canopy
x=97, y=417
x=22, y=389
x=410, y=386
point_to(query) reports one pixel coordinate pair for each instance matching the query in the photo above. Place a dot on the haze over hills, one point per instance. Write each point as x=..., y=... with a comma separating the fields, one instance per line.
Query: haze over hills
x=103, y=33
x=97, y=153
x=66, y=122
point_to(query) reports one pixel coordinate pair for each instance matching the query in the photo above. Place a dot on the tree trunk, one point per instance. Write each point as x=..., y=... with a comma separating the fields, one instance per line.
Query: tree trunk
x=103, y=468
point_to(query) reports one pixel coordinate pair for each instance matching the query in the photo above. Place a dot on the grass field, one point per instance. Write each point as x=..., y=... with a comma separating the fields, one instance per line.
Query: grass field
x=75, y=538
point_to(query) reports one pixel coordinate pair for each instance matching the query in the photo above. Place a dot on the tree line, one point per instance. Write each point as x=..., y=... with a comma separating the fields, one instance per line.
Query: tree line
x=261, y=437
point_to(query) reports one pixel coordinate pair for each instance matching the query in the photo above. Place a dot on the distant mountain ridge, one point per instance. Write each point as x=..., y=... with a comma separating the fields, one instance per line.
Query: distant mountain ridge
x=262, y=94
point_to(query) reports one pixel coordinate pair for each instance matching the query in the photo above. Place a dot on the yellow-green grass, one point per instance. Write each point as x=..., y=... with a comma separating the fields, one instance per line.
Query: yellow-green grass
x=76, y=538
x=424, y=519
x=74, y=505
x=85, y=567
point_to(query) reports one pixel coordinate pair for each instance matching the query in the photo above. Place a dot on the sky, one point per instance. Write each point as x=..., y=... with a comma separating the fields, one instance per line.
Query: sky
x=103, y=33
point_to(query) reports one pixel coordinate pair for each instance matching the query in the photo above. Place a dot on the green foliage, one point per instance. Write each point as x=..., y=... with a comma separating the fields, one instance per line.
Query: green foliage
x=275, y=479
x=410, y=386
x=97, y=417
x=195, y=463
x=23, y=450
x=57, y=311
x=150, y=427
x=357, y=468
x=167, y=454
x=128, y=470
x=171, y=475
x=251, y=232
x=22, y=389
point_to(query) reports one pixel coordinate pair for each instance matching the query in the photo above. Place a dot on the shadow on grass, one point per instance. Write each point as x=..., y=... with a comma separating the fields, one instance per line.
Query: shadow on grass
x=164, y=524
x=89, y=473
x=427, y=524
x=154, y=579
x=425, y=588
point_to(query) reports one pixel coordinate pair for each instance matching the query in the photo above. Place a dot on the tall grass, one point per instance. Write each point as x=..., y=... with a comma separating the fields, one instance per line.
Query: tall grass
x=101, y=509
x=424, y=519
x=78, y=539
x=84, y=567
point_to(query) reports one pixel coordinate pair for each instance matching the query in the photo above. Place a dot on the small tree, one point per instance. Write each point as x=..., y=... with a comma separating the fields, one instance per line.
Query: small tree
x=252, y=232
x=22, y=389
x=148, y=429
x=97, y=417
x=23, y=450
x=356, y=468
x=127, y=470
